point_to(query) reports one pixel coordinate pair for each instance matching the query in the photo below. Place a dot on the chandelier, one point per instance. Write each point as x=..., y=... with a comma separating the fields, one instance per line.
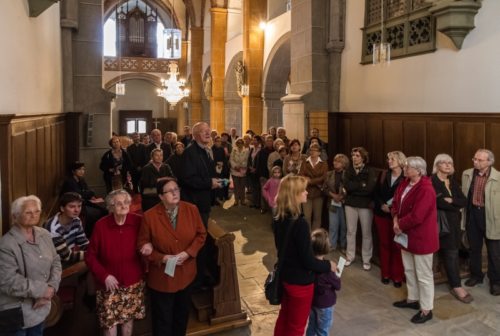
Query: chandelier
x=172, y=89
x=382, y=51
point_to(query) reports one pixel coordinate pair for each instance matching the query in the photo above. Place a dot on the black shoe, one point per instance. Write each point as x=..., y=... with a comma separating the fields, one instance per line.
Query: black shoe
x=495, y=290
x=471, y=282
x=398, y=284
x=406, y=304
x=421, y=318
x=385, y=281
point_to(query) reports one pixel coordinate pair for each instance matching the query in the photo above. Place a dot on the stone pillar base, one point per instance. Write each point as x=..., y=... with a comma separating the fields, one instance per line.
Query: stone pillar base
x=294, y=116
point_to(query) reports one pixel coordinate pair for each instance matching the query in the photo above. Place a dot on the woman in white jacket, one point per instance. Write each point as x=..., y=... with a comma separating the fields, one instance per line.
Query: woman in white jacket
x=238, y=162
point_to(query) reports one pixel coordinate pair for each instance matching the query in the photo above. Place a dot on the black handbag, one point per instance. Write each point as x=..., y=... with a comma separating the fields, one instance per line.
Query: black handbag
x=443, y=225
x=273, y=287
x=11, y=319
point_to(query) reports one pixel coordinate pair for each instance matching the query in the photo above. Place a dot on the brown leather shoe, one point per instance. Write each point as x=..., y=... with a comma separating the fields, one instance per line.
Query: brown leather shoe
x=465, y=299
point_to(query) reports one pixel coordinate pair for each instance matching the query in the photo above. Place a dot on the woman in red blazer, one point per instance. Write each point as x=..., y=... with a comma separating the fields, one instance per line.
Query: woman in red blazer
x=171, y=230
x=415, y=215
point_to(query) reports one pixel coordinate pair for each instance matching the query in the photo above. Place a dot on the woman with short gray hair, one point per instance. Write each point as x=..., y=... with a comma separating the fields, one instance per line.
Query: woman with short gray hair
x=31, y=270
x=414, y=218
x=113, y=259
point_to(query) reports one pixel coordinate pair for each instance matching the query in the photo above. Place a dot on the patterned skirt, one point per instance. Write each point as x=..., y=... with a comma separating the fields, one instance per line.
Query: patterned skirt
x=120, y=306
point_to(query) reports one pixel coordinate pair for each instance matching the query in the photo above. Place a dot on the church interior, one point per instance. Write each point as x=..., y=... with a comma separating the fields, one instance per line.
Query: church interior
x=420, y=76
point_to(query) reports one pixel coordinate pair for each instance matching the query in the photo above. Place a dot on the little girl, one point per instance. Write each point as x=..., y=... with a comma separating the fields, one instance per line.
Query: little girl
x=270, y=189
x=325, y=285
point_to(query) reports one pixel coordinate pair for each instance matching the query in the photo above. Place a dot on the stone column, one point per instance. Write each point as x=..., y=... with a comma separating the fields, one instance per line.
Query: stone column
x=335, y=46
x=309, y=61
x=253, y=56
x=218, y=59
x=69, y=23
x=196, y=82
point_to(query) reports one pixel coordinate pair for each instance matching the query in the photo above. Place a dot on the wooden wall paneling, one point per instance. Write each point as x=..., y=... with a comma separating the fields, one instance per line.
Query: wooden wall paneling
x=374, y=142
x=392, y=134
x=439, y=140
x=469, y=137
x=493, y=140
x=414, y=139
x=358, y=133
x=42, y=163
x=19, y=187
x=31, y=162
x=344, y=136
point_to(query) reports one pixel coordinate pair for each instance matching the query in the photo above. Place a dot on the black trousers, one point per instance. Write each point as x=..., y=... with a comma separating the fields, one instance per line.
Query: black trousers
x=476, y=232
x=170, y=312
x=450, y=260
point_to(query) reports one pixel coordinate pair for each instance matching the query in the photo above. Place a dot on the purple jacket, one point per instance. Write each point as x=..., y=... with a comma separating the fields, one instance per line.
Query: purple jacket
x=270, y=190
x=325, y=286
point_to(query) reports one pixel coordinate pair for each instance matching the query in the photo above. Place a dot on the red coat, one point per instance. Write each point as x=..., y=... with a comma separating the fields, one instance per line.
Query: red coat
x=112, y=251
x=417, y=216
x=189, y=236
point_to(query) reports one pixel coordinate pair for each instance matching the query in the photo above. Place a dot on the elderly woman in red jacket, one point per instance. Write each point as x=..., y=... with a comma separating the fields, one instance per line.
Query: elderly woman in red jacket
x=415, y=215
x=171, y=235
x=116, y=264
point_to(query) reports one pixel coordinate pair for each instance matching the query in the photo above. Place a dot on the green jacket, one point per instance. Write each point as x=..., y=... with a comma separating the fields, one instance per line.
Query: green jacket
x=491, y=200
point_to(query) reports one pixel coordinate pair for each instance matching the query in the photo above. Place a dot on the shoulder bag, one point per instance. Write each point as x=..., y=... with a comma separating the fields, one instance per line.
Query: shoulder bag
x=273, y=286
x=443, y=225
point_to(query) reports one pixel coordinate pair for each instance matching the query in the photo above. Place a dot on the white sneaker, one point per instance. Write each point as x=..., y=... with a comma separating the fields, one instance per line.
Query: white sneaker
x=348, y=262
x=367, y=266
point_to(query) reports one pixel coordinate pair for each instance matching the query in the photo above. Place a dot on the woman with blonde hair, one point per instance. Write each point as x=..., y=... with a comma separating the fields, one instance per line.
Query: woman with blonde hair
x=391, y=264
x=299, y=263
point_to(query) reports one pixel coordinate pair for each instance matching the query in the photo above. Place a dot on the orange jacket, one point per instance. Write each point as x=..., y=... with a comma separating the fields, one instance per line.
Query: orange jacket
x=189, y=236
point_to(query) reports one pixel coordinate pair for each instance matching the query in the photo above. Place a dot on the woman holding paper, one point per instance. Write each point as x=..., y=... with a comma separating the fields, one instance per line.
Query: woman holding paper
x=113, y=259
x=391, y=265
x=171, y=235
x=414, y=217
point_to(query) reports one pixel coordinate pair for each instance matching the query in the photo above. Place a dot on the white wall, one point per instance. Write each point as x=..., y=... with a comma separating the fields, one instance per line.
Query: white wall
x=30, y=66
x=275, y=29
x=448, y=80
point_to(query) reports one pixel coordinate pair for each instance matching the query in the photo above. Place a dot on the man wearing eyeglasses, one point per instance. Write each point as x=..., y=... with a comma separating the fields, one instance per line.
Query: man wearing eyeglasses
x=481, y=184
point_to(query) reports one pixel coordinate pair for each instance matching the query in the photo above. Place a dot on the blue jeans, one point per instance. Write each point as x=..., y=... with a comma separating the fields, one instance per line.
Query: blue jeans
x=337, y=227
x=320, y=321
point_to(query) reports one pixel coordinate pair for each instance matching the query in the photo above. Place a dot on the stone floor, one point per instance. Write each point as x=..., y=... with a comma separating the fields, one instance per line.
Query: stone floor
x=364, y=305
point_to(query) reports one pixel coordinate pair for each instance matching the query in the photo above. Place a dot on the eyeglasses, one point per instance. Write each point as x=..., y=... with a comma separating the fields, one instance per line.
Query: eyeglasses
x=121, y=204
x=172, y=191
x=478, y=160
x=32, y=213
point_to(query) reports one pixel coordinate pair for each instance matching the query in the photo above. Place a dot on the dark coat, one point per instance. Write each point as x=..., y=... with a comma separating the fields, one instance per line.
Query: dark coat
x=384, y=191
x=196, y=178
x=359, y=187
x=138, y=155
x=175, y=163
x=452, y=210
x=108, y=162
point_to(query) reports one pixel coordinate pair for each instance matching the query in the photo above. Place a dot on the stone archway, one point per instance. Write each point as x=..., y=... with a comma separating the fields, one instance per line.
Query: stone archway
x=232, y=101
x=275, y=78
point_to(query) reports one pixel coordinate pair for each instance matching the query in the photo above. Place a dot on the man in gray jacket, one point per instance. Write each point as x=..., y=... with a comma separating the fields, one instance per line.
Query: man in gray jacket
x=481, y=184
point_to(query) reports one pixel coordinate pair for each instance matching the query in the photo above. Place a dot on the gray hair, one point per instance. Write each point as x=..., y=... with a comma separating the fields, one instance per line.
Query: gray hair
x=17, y=207
x=418, y=163
x=110, y=198
x=491, y=156
x=443, y=157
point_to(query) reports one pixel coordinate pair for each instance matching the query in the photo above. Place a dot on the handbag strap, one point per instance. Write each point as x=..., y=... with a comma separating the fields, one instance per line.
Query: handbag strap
x=284, y=244
x=24, y=261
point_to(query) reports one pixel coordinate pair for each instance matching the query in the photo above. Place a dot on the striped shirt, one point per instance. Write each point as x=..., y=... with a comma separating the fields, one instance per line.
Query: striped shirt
x=69, y=240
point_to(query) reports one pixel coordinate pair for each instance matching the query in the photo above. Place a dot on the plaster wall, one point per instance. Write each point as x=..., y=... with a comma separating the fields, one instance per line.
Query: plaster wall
x=275, y=8
x=140, y=95
x=31, y=75
x=234, y=21
x=233, y=47
x=275, y=29
x=448, y=80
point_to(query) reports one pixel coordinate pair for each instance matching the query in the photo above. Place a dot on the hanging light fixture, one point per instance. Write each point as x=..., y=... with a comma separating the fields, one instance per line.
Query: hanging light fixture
x=172, y=89
x=382, y=50
x=172, y=38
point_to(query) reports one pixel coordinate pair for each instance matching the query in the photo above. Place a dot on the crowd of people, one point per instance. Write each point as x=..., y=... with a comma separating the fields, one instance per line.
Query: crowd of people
x=180, y=179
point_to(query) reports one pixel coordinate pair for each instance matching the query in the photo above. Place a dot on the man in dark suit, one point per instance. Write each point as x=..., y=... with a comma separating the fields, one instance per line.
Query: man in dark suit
x=137, y=153
x=197, y=181
x=187, y=138
x=156, y=142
